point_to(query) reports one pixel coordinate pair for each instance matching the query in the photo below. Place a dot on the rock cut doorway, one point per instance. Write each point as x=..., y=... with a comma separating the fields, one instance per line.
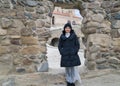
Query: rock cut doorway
x=65, y=15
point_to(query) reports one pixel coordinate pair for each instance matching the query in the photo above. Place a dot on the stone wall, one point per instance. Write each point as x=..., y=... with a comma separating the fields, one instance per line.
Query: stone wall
x=24, y=30
x=101, y=26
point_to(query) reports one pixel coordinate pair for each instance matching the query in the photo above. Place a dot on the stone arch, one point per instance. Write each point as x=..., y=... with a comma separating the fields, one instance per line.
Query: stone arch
x=100, y=19
x=54, y=42
x=101, y=27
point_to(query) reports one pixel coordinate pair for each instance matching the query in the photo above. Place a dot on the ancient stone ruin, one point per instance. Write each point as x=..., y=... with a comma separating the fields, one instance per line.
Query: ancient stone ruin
x=24, y=30
x=101, y=26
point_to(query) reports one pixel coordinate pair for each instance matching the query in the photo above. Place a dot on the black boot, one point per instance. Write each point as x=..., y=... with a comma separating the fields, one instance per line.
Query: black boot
x=72, y=84
x=69, y=84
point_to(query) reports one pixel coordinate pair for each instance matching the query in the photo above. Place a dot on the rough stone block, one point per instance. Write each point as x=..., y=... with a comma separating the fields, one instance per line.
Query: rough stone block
x=99, y=39
x=3, y=50
x=29, y=40
x=6, y=23
x=32, y=50
x=2, y=32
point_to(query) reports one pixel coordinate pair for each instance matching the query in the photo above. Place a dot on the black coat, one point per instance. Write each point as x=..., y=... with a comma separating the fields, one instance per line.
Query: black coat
x=68, y=48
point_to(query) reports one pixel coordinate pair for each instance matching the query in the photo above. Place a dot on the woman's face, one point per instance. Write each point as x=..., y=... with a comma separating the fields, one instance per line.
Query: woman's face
x=67, y=29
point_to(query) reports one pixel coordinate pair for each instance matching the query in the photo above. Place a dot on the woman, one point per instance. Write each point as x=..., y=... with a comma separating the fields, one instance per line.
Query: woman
x=68, y=47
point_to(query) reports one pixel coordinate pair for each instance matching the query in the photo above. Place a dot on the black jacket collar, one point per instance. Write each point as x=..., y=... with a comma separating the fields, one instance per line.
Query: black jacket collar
x=72, y=35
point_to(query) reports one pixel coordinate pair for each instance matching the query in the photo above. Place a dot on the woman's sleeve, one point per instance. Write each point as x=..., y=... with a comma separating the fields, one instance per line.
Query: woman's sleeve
x=60, y=46
x=77, y=44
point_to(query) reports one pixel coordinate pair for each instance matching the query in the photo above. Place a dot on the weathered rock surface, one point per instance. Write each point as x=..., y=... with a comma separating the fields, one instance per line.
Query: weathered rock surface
x=101, y=26
x=19, y=39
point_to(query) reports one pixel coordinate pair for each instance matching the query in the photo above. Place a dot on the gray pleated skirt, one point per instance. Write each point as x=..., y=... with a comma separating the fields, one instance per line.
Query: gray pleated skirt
x=72, y=75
